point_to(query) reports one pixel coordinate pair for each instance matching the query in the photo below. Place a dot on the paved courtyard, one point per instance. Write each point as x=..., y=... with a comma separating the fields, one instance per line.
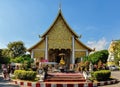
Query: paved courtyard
x=6, y=83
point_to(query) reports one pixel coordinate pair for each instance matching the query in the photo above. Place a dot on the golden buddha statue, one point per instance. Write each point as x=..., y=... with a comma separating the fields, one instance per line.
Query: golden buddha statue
x=62, y=62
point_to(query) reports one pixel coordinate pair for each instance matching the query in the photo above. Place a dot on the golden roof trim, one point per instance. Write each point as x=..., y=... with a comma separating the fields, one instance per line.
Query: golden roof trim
x=29, y=49
x=59, y=13
x=84, y=45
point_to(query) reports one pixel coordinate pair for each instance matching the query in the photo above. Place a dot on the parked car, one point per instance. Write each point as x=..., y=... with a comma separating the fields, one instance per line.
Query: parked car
x=113, y=68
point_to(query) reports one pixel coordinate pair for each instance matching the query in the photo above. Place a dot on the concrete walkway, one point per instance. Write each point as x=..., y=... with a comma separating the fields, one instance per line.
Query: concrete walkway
x=6, y=83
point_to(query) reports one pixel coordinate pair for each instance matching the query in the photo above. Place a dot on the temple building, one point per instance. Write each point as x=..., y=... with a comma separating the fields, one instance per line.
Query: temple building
x=59, y=40
x=112, y=52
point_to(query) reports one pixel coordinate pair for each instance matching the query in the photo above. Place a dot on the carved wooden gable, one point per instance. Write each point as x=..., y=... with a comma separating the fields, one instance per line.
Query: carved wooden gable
x=59, y=36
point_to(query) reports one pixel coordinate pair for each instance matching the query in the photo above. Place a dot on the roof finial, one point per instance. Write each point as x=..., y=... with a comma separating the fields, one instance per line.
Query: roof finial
x=60, y=5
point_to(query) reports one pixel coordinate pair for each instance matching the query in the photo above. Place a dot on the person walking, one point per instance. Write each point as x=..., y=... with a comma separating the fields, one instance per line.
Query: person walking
x=46, y=71
x=5, y=72
x=40, y=72
x=8, y=71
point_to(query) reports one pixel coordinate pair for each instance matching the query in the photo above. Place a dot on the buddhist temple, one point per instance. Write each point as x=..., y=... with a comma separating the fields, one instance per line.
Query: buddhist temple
x=59, y=41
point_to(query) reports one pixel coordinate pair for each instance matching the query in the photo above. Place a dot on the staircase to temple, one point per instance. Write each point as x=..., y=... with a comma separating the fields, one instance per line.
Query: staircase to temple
x=65, y=77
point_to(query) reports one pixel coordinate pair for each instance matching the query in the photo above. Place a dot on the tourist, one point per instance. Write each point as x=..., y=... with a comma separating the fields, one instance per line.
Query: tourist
x=12, y=69
x=53, y=68
x=95, y=67
x=46, y=71
x=8, y=71
x=4, y=72
x=40, y=71
x=41, y=74
x=16, y=67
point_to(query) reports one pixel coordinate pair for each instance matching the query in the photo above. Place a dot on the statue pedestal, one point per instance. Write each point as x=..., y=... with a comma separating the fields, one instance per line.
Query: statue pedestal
x=110, y=63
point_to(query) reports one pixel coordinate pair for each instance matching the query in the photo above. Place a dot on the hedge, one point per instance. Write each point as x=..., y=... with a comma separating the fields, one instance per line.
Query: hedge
x=101, y=75
x=25, y=75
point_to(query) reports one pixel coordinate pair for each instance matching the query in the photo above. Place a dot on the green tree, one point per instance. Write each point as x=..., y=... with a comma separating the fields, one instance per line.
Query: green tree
x=96, y=56
x=24, y=59
x=3, y=59
x=5, y=52
x=104, y=54
x=16, y=49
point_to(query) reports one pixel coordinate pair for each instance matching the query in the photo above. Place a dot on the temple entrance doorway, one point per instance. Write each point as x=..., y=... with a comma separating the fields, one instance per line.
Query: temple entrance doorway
x=55, y=55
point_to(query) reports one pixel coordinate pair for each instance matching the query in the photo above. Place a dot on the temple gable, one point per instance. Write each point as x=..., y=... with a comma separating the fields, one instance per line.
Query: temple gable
x=59, y=35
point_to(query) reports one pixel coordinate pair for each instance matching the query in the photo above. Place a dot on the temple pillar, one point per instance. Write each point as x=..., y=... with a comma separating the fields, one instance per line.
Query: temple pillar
x=46, y=47
x=73, y=50
x=86, y=52
x=32, y=54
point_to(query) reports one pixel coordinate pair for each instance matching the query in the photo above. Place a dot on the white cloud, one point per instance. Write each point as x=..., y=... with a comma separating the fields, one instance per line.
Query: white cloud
x=2, y=45
x=98, y=45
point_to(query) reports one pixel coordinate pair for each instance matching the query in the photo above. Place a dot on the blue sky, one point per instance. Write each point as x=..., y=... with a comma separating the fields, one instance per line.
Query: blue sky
x=97, y=20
